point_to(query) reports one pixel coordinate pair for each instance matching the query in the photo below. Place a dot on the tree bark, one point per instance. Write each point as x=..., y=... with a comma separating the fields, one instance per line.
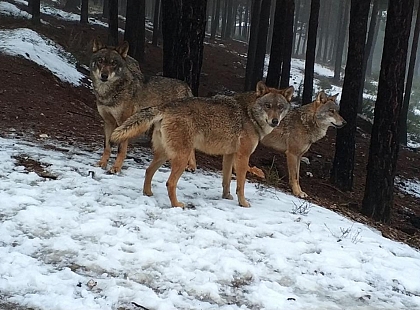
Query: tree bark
x=215, y=20
x=342, y=26
x=113, y=22
x=36, y=12
x=84, y=12
x=369, y=42
x=135, y=29
x=409, y=82
x=183, y=25
x=308, y=82
x=343, y=164
x=105, y=9
x=156, y=28
x=276, y=53
x=383, y=153
x=288, y=42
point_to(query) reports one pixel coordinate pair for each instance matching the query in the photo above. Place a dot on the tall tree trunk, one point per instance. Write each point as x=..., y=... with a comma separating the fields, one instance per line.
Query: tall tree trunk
x=321, y=30
x=135, y=29
x=308, y=82
x=71, y=5
x=325, y=59
x=257, y=45
x=276, y=53
x=409, y=82
x=183, y=25
x=156, y=28
x=295, y=26
x=246, y=34
x=36, y=12
x=230, y=19
x=288, y=41
x=372, y=50
x=215, y=20
x=105, y=9
x=342, y=26
x=84, y=12
x=384, y=144
x=371, y=33
x=343, y=165
x=113, y=22
x=224, y=19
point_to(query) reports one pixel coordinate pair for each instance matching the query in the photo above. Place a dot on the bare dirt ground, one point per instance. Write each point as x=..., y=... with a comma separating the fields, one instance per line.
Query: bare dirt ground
x=34, y=102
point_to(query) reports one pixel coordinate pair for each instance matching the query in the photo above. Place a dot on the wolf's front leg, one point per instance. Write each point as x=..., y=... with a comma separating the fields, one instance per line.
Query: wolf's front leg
x=227, y=175
x=241, y=170
x=122, y=153
x=108, y=129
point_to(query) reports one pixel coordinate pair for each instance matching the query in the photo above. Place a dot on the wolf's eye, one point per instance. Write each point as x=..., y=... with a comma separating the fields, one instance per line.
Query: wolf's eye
x=331, y=111
x=100, y=60
x=268, y=105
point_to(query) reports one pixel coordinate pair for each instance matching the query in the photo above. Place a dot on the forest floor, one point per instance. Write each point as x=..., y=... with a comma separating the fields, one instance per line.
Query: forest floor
x=34, y=102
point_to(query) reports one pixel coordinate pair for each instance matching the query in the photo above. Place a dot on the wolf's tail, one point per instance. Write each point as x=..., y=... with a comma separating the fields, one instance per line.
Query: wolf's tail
x=136, y=124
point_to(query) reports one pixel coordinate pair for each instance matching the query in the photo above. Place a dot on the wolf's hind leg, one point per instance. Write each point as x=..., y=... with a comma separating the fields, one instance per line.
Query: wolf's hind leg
x=192, y=163
x=178, y=164
x=159, y=157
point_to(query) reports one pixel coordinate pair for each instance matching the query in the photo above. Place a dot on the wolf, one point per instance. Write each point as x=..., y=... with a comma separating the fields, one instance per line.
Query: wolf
x=230, y=126
x=121, y=90
x=300, y=128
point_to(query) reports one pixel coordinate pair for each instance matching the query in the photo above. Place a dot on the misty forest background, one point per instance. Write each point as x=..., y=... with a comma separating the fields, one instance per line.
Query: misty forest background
x=370, y=45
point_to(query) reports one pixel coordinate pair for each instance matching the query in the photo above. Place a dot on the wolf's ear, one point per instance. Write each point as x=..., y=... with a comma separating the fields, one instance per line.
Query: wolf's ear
x=97, y=45
x=288, y=93
x=334, y=98
x=122, y=49
x=321, y=97
x=262, y=89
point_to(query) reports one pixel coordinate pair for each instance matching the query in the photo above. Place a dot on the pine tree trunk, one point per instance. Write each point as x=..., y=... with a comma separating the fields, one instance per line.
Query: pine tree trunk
x=215, y=20
x=327, y=33
x=383, y=152
x=183, y=25
x=288, y=41
x=135, y=29
x=295, y=25
x=369, y=42
x=409, y=82
x=105, y=9
x=84, y=12
x=342, y=26
x=156, y=30
x=343, y=164
x=276, y=52
x=252, y=44
x=113, y=22
x=36, y=12
x=308, y=82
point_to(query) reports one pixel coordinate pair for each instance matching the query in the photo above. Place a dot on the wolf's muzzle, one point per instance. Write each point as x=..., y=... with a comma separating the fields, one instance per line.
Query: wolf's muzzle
x=104, y=77
x=339, y=126
x=274, y=122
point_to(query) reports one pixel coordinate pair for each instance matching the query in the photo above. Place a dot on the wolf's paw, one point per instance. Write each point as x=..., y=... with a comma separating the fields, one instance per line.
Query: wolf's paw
x=178, y=204
x=244, y=204
x=114, y=170
x=190, y=167
x=101, y=164
x=147, y=193
x=301, y=194
x=227, y=196
x=257, y=171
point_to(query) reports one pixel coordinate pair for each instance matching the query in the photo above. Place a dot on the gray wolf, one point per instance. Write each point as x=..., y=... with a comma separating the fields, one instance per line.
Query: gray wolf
x=121, y=90
x=300, y=128
x=230, y=126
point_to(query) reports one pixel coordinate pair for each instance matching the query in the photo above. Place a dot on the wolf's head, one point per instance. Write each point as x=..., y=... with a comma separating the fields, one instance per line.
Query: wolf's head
x=107, y=62
x=327, y=111
x=271, y=105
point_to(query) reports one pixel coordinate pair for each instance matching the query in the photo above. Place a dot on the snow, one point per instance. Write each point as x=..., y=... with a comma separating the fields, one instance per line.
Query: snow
x=45, y=52
x=56, y=235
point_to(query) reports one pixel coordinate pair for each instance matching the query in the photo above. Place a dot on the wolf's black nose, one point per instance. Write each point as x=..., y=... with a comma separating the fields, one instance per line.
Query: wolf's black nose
x=274, y=121
x=104, y=76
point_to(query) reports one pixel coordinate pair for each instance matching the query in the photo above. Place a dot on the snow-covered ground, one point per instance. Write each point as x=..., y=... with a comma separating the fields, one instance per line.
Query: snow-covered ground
x=89, y=240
